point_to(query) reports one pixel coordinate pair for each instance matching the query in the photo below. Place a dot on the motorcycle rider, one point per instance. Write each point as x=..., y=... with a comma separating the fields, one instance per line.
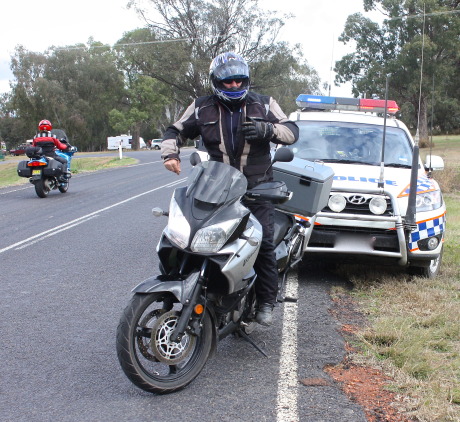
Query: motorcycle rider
x=236, y=127
x=48, y=143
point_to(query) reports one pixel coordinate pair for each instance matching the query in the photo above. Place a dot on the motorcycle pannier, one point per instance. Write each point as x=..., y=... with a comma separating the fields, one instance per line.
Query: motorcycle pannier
x=309, y=182
x=23, y=170
x=54, y=168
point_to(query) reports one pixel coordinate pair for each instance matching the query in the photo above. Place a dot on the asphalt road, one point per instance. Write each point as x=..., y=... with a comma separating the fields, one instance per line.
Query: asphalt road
x=68, y=263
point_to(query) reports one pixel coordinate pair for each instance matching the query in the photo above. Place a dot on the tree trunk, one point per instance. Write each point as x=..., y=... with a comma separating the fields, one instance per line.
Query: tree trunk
x=135, y=144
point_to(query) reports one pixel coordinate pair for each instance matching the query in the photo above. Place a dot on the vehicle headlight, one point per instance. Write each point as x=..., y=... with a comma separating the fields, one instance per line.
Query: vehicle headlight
x=337, y=203
x=178, y=230
x=210, y=239
x=378, y=205
x=428, y=201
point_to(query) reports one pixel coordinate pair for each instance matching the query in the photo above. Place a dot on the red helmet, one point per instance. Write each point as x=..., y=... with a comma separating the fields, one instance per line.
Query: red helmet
x=45, y=126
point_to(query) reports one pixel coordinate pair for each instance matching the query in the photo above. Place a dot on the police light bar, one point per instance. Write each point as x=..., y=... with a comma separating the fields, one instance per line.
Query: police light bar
x=320, y=102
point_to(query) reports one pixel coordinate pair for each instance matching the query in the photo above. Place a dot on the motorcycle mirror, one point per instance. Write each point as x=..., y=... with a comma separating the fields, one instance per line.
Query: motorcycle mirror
x=283, y=154
x=251, y=240
x=195, y=158
x=158, y=212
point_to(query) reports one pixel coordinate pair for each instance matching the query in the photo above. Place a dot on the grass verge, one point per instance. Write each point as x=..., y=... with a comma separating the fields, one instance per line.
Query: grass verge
x=9, y=176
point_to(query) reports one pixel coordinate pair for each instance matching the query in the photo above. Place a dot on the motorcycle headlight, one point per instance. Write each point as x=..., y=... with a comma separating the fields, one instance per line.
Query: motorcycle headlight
x=210, y=239
x=178, y=230
x=428, y=201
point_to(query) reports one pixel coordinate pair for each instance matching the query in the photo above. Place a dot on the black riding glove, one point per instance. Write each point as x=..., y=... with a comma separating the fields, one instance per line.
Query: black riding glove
x=257, y=130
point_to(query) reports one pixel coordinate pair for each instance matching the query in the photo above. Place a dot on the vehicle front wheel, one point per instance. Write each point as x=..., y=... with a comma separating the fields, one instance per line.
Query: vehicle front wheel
x=430, y=271
x=147, y=355
x=63, y=187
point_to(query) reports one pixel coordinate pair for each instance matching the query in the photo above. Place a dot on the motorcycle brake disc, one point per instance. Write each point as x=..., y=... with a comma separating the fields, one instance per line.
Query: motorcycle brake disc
x=165, y=350
x=142, y=343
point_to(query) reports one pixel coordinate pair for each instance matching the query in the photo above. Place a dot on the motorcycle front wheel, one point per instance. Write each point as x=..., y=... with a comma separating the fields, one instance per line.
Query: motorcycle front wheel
x=147, y=356
x=41, y=188
x=64, y=187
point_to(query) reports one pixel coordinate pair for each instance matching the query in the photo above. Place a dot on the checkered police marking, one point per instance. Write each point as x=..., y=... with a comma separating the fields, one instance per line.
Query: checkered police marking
x=423, y=185
x=427, y=229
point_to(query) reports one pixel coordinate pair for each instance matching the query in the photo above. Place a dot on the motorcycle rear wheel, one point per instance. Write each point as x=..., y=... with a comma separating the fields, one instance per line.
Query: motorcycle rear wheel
x=147, y=357
x=41, y=188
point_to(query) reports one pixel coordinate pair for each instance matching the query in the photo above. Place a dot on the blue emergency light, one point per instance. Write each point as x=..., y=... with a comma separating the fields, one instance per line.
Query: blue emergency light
x=320, y=102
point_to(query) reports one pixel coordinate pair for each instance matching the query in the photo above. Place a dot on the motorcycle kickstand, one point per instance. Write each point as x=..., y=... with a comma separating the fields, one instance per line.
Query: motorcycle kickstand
x=281, y=297
x=249, y=340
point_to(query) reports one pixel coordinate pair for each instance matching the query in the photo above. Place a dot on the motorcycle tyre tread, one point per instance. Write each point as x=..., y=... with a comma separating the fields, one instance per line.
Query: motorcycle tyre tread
x=40, y=188
x=126, y=348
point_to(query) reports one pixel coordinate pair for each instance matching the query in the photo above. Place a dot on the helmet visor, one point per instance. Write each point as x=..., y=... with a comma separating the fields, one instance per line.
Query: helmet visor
x=233, y=69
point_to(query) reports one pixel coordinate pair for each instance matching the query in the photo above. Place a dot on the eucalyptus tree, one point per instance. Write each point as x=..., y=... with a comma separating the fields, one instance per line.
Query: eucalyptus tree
x=185, y=35
x=75, y=87
x=143, y=105
x=417, y=46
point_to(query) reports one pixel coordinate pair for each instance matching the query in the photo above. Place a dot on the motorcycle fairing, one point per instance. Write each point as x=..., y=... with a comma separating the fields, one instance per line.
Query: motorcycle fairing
x=181, y=289
x=242, y=256
x=211, y=197
x=216, y=183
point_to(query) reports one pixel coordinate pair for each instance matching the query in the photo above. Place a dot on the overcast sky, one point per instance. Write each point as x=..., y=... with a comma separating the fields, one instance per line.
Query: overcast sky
x=38, y=25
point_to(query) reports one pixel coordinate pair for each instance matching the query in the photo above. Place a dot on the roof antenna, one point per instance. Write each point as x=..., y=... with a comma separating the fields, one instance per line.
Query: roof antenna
x=330, y=69
x=431, y=128
x=382, y=161
x=410, y=222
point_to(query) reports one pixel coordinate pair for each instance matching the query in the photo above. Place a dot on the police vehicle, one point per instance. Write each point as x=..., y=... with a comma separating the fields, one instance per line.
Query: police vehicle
x=367, y=214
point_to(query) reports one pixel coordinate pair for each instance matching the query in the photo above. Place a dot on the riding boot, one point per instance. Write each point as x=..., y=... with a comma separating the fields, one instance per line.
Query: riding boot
x=264, y=314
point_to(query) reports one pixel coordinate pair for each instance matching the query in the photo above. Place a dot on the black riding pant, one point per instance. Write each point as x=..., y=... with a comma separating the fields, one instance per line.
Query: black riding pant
x=62, y=160
x=265, y=265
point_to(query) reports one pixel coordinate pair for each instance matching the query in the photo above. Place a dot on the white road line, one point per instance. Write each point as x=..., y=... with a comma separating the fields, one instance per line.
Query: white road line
x=287, y=410
x=25, y=245
x=16, y=190
x=72, y=223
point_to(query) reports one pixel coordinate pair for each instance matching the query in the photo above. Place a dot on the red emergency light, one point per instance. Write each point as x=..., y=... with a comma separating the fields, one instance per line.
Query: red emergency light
x=319, y=102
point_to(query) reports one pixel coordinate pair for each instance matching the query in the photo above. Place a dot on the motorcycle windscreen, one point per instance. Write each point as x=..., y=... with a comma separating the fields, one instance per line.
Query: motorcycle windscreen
x=216, y=183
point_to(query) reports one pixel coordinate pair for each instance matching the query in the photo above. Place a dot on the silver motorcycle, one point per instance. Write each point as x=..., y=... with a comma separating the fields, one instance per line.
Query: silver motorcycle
x=205, y=289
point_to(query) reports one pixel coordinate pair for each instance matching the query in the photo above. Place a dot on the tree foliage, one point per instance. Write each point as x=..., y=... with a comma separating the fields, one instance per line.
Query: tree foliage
x=410, y=28
x=73, y=87
x=185, y=35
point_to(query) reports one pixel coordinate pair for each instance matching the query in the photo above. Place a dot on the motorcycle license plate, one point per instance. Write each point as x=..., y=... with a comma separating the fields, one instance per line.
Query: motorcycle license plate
x=36, y=172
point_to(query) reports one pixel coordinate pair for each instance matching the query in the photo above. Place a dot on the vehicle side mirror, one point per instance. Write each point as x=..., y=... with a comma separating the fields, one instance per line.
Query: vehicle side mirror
x=433, y=163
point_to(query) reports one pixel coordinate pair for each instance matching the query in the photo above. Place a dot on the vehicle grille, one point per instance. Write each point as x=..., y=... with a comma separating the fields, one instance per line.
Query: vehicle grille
x=361, y=208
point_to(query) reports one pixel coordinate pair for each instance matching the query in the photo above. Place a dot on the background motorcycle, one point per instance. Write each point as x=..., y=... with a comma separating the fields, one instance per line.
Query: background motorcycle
x=206, y=287
x=46, y=173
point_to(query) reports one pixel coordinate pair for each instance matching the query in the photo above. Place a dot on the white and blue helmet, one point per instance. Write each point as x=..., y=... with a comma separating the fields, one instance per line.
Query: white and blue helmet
x=227, y=67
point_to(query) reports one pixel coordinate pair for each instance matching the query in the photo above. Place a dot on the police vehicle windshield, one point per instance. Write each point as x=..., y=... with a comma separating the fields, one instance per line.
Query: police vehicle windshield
x=352, y=142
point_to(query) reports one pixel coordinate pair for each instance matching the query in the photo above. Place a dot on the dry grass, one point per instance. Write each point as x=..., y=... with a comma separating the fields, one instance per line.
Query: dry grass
x=447, y=147
x=415, y=334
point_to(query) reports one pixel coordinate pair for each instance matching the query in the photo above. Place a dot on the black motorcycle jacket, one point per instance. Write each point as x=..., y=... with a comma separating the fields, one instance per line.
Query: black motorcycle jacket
x=208, y=118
